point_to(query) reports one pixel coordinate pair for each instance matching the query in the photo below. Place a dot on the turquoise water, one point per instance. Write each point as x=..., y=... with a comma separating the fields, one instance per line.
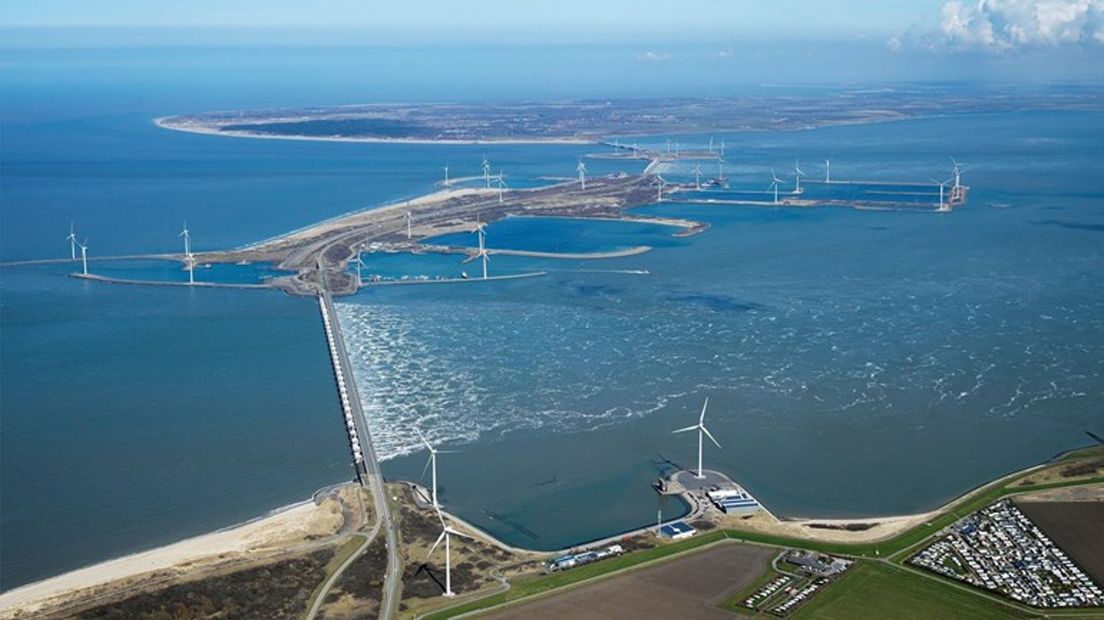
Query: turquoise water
x=857, y=362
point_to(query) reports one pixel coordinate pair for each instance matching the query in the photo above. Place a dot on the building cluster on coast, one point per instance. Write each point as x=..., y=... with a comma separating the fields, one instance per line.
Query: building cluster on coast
x=999, y=549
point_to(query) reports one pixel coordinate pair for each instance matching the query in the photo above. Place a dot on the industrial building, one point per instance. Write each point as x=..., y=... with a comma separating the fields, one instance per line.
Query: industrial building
x=677, y=530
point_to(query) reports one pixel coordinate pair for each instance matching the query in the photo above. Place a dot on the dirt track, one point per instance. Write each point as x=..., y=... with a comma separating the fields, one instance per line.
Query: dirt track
x=689, y=588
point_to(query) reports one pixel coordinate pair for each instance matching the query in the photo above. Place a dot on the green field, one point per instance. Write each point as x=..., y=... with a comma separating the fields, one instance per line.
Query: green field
x=877, y=590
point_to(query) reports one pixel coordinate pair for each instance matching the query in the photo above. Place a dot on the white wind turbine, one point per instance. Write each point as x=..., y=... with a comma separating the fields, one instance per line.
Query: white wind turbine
x=487, y=172
x=433, y=452
x=722, y=148
x=581, y=169
x=797, y=177
x=190, y=263
x=72, y=239
x=359, y=264
x=942, y=206
x=446, y=534
x=659, y=189
x=697, y=177
x=710, y=144
x=774, y=185
x=446, y=176
x=84, y=255
x=480, y=230
x=702, y=433
x=957, y=171
x=501, y=185
x=187, y=239
x=827, y=170
x=409, y=225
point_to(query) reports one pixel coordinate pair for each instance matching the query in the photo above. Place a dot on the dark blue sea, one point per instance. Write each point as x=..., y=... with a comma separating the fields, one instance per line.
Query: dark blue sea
x=858, y=362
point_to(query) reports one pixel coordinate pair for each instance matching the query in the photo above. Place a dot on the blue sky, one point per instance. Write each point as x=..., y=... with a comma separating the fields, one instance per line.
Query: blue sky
x=561, y=18
x=1025, y=40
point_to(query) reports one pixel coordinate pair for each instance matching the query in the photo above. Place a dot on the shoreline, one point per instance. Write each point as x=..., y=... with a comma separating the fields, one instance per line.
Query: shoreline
x=163, y=123
x=265, y=535
x=180, y=556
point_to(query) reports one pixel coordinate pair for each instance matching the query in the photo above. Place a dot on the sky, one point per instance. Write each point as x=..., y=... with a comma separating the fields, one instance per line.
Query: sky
x=1028, y=40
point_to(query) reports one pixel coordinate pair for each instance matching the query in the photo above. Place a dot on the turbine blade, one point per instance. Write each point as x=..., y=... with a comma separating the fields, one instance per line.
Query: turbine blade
x=710, y=436
x=460, y=534
x=688, y=428
x=434, y=547
x=426, y=468
x=701, y=419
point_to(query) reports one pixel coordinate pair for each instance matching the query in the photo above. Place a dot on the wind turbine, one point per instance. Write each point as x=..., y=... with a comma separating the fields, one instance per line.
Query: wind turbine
x=827, y=171
x=942, y=205
x=957, y=171
x=446, y=176
x=359, y=265
x=702, y=433
x=676, y=149
x=697, y=177
x=774, y=185
x=720, y=170
x=190, y=262
x=501, y=185
x=480, y=229
x=187, y=239
x=84, y=255
x=659, y=189
x=581, y=169
x=409, y=224
x=797, y=177
x=487, y=172
x=446, y=534
x=433, y=452
x=722, y=148
x=72, y=239
x=710, y=144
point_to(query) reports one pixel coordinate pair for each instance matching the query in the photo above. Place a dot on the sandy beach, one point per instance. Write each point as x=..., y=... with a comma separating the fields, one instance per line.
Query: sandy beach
x=165, y=123
x=304, y=524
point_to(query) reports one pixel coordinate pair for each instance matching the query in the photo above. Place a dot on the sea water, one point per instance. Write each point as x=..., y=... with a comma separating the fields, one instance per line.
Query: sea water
x=857, y=363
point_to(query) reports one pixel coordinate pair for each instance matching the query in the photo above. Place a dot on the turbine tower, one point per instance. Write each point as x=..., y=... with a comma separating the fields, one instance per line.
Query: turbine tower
x=702, y=434
x=957, y=171
x=827, y=171
x=446, y=534
x=487, y=172
x=697, y=177
x=190, y=263
x=409, y=224
x=480, y=230
x=797, y=178
x=84, y=255
x=581, y=169
x=942, y=206
x=433, y=452
x=722, y=148
x=72, y=239
x=659, y=189
x=774, y=185
x=446, y=176
x=710, y=144
x=501, y=180
x=187, y=239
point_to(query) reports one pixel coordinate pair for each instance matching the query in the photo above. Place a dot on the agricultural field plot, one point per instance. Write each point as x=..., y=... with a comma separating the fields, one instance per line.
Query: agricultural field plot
x=690, y=588
x=877, y=591
x=1076, y=527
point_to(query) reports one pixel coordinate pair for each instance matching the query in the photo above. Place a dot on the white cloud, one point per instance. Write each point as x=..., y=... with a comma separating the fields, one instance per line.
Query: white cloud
x=1011, y=24
x=651, y=56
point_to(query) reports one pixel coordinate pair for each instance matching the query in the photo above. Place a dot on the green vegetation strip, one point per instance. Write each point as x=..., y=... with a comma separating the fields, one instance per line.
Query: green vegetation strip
x=878, y=590
x=526, y=587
